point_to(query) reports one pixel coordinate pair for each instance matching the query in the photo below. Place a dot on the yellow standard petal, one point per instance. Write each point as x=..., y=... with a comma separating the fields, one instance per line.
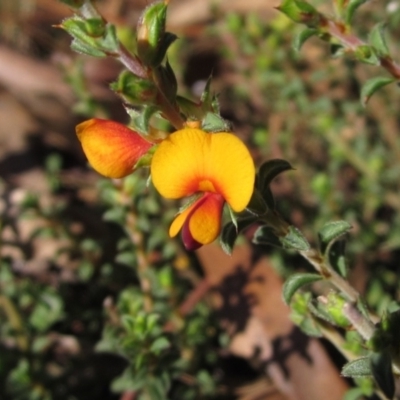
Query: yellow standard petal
x=191, y=160
x=112, y=149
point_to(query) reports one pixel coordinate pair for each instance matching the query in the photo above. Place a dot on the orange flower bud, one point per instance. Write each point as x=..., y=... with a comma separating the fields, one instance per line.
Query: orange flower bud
x=111, y=148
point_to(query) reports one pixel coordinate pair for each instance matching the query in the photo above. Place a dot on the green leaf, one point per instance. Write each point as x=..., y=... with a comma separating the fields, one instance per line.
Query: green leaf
x=230, y=232
x=142, y=121
x=336, y=256
x=266, y=173
x=377, y=39
x=372, y=85
x=165, y=79
x=357, y=368
x=295, y=240
x=337, y=50
x=126, y=258
x=295, y=282
x=192, y=110
x=207, y=96
x=264, y=235
x=134, y=90
x=83, y=48
x=300, y=11
x=257, y=204
x=270, y=170
x=351, y=9
x=302, y=37
x=215, y=123
x=367, y=54
x=332, y=231
x=381, y=367
x=151, y=34
x=159, y=345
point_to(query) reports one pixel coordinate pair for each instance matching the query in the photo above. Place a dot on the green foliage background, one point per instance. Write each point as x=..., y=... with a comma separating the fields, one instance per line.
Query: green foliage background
x=103, y=331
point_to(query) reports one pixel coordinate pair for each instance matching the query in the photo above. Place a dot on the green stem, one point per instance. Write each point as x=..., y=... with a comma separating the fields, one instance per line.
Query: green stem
x=352, y=42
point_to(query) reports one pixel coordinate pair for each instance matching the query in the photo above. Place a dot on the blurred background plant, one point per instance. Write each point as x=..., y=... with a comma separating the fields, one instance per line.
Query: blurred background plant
x=95, y=300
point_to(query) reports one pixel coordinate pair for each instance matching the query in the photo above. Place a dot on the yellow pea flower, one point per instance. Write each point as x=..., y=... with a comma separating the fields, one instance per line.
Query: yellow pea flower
x=216, y=166
x=111, y=148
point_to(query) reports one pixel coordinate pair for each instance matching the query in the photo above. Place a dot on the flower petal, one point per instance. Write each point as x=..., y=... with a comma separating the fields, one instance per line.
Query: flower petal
x=191, y=160
x=112, y=149
x=201, y=222
x=180, y=219
x=205, y=220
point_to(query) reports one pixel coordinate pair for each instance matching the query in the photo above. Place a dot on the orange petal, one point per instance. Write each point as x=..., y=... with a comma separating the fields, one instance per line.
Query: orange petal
x=178, y=222
x=205, y=221
x=191, y=160
x=111, y=148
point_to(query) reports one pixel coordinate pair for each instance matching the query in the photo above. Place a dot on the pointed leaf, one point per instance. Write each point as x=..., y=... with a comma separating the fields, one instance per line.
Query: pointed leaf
x=377, y=39
x=215, y=123
x=207, y=96
x=351, y=9
x=367, y=54
x=331, y=231
x=257, y=204
x=357, y=368
x=372, y=85
x=295, y=282
x=265, y=236
x=381, y=367
x=300, y=11
x=336, y=256
x=302, y=37
x=192, y=110
x=270, y=169
x=143, y=120
x=295, y=240
x=337, y=50
x=83, y=48
x=230, y=232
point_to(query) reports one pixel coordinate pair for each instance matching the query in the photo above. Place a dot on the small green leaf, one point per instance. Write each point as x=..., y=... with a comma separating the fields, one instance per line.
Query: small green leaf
x=302, y=37
x=230, y=232
x=377, y=39
x=337, y=50
x=295, y=240
x=159, y=345
x=257, y=204
x=336, y=256
x=134, y=90
x=215, y=123
x=126, y=258
x=150, y=34
x=357, y=368
x=83, y=48
x=351, y=9
x=270, y=169
x=367, y=54
x=264, y=235
x=266, y=173
x=295, y=282
x=332, y=231
x=301, y=11
x=371, y=86
x=165, y=79
x=192, y=110
x=381, y=367
x=207, y=96
x=143, y=120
